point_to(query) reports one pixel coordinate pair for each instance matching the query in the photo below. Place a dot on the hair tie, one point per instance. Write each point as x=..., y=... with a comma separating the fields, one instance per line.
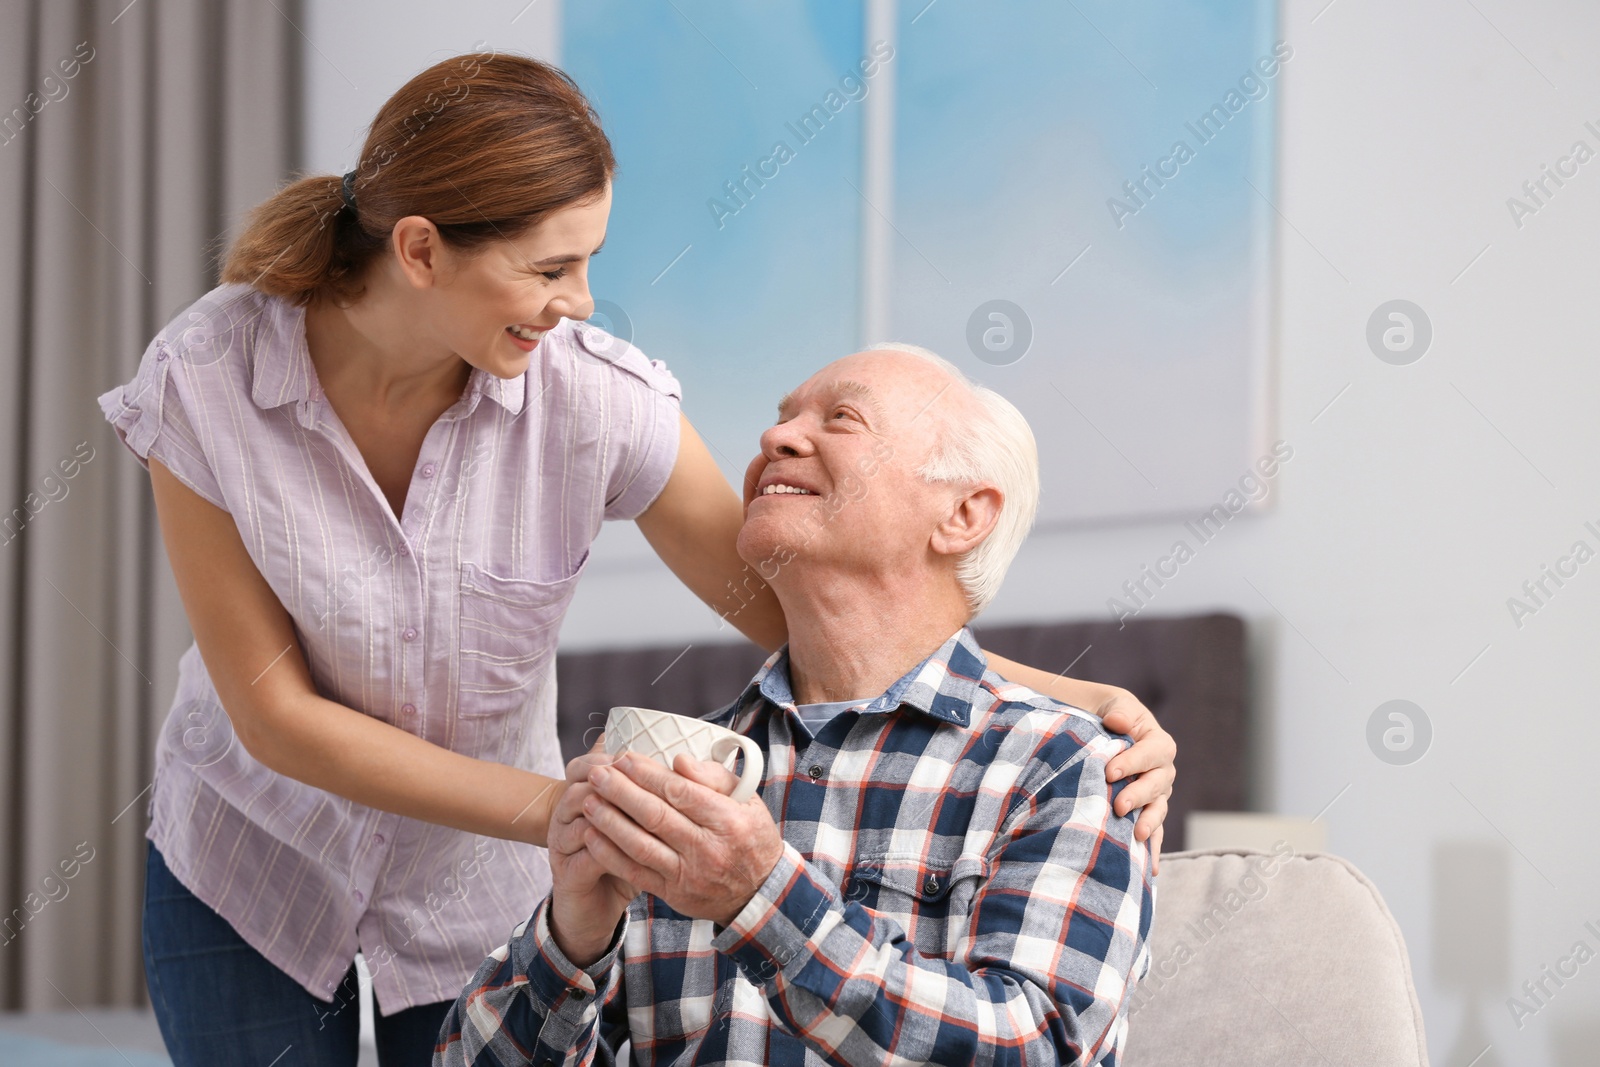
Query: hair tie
x=348, y=190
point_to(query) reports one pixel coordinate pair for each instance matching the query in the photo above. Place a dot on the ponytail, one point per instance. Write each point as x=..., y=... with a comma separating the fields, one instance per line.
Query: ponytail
x=300, y=242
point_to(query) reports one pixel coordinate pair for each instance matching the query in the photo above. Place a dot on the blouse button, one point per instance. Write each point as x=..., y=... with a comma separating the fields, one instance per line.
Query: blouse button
x=377, y=839
x=161, y=353
x=410, y=633
x=427, y=470
x=405, y=549
x=360, y=897
x=408, y=709
x=815, y=772
x=931, y=885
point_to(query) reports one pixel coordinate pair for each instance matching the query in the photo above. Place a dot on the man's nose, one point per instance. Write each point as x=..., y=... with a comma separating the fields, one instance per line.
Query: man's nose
x=788, y=438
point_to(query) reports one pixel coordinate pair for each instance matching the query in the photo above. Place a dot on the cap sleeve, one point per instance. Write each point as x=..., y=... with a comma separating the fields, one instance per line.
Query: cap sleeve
x=149, y=417
x=642, y=447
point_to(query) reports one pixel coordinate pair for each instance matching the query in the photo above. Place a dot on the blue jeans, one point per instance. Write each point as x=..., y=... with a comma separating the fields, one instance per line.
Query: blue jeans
x=219, y=1001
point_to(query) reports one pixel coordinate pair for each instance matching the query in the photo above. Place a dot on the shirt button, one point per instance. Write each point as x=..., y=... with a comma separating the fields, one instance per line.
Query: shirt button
x=408, y=709
x=815, y=772
x=427, y=470
x=410, y=633
x=377, y=839
x=405, y=549
x=578, y=994
x=931, y=885
x=361, y=897
x=161, y=353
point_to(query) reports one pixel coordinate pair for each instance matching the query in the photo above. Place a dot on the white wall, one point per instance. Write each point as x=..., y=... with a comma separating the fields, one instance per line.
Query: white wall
x=358, y=53
x=1419, y=498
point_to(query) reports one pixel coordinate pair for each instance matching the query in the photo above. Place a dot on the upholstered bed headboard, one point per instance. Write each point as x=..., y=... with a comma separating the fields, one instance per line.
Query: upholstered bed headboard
x=1189, y=670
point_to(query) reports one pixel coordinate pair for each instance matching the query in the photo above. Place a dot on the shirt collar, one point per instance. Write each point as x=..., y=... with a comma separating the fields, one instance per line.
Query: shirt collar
x=944, y=686
x=283, y=373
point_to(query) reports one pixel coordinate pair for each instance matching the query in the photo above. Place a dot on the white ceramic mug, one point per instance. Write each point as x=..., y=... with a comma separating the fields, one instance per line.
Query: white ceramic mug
x=661, y=735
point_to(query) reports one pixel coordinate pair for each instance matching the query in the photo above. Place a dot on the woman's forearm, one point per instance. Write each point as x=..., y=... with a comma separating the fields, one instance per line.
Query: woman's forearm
x=693, y=525
x=1075, y=691
x=338, y=749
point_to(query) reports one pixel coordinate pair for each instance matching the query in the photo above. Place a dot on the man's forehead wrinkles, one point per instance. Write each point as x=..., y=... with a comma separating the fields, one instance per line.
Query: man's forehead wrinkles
x=839, y=387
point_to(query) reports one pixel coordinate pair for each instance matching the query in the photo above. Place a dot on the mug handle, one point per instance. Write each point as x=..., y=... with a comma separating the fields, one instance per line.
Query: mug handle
x=754, y=764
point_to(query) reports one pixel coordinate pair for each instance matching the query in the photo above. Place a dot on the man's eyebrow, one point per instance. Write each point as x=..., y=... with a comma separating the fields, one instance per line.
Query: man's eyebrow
x=861, y=393
x=571, y=257
x=844, y=387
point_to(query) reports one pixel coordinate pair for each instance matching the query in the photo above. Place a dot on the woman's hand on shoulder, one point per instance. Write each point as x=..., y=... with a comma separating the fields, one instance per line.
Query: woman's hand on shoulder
x=1153, y=759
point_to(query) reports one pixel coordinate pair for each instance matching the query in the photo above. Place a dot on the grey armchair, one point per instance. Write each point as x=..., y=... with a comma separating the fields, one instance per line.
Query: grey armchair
x=1271, y=958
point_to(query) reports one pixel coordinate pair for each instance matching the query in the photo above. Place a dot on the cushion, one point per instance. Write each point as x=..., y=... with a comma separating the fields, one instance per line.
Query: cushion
x=1271, y=958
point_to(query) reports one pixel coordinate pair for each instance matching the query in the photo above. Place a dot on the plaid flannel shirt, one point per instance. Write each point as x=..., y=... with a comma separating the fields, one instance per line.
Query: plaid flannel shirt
x=954, y=888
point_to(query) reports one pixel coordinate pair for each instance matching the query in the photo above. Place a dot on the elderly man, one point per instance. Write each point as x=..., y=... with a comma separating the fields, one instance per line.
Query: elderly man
x=933, y=871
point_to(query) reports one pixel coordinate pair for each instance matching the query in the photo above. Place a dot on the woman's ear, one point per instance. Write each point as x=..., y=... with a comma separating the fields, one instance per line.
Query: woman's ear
x=972, y=517
x=419, y=251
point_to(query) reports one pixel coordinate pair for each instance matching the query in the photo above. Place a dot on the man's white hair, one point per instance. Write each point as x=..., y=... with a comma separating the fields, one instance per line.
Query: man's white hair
x=996, y=447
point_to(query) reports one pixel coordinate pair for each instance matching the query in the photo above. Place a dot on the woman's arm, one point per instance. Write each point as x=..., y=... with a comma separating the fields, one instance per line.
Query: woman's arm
x=248, y=643
x=694, y=527
x=1153, y=755
x=1075, y=691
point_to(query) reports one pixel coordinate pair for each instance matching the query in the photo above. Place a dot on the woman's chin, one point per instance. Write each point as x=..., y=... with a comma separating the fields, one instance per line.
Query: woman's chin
x=501, y=365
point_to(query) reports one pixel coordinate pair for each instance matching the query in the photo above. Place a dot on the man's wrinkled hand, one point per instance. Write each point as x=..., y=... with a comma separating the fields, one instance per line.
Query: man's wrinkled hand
x=586, y=900
x=677, y=835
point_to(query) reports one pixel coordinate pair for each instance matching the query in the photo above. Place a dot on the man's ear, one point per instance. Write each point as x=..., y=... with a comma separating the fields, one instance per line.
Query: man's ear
x=419, y=249
x=971, y=518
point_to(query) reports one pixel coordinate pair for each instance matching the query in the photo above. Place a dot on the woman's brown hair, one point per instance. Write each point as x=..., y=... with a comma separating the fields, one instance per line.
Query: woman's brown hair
x=483, y=145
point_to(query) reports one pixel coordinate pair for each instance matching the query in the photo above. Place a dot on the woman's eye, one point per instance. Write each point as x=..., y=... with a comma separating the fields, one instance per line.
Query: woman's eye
x=555, y=275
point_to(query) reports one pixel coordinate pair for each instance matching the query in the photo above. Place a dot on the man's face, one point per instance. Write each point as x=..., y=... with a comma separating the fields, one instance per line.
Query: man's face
x=836, y=480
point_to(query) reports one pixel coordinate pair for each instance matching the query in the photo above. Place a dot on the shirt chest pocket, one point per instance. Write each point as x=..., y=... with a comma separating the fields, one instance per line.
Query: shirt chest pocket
x=506, y=636
x=926, y=898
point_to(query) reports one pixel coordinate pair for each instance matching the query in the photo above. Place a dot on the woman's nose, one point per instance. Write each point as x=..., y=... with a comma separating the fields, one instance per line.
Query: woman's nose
x=574, y=302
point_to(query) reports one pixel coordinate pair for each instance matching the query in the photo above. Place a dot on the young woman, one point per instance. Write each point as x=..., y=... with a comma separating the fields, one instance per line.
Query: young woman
x=379, y=453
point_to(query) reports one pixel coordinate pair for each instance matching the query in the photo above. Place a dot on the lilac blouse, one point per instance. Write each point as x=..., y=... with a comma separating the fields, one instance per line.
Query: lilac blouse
x=443, y=623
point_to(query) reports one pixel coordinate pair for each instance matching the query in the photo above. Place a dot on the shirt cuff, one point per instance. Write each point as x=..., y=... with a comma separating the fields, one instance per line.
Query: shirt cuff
x=572, y=993
x=778, y=928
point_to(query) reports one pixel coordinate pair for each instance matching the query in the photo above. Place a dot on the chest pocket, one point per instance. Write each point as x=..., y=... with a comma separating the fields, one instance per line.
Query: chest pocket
x=928, y=900
x=506, y=636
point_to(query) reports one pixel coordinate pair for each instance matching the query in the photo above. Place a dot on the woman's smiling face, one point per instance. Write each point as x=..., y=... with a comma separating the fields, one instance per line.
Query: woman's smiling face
x=521, y=285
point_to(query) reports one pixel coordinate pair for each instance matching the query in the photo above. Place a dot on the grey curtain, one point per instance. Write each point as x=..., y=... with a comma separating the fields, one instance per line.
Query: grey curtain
x=133, y=137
